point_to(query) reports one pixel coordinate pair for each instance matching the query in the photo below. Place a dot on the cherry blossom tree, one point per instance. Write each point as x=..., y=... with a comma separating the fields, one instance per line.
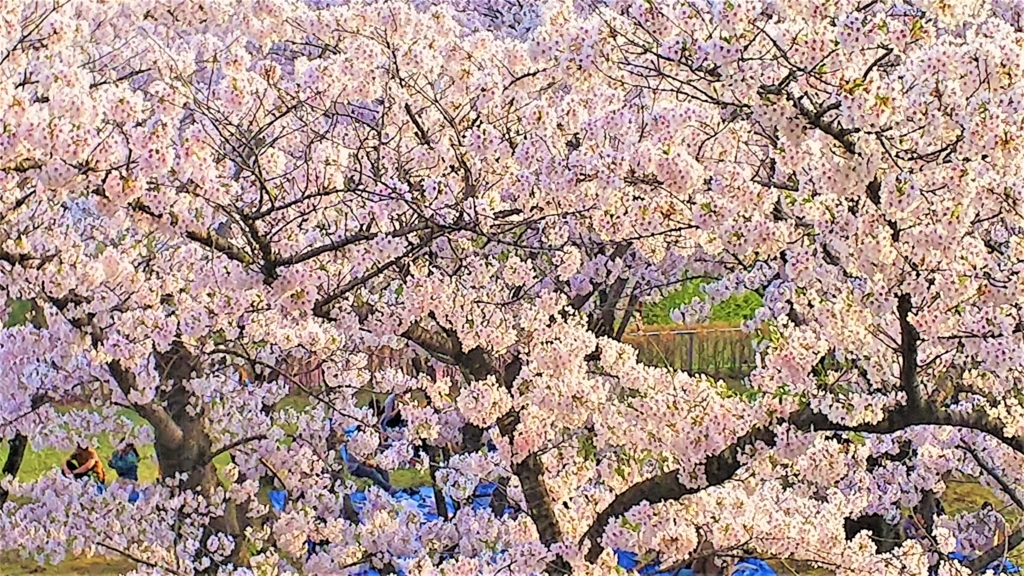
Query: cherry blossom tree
x=196, y=192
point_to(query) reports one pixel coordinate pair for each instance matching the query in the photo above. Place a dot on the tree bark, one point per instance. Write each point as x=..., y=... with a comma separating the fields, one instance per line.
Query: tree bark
x=12, y=464
x=435, y=456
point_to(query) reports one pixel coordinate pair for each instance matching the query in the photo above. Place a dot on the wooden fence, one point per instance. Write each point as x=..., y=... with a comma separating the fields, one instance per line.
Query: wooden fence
x=718, y=352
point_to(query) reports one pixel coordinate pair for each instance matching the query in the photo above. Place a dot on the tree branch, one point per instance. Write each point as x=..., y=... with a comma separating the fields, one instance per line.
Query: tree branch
x=909, y=338
x=138, y=560
x=665, y=487
x=220, y=245
x=1003, y=484
x=997, y=552
x=347, y=241
x=232, y=445
x=722, y=466
x=165, y=428
x=321, y=307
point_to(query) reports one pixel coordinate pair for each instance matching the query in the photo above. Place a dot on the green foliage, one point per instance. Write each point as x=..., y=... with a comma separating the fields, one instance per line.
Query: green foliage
x=21, y=311
x=734, y=310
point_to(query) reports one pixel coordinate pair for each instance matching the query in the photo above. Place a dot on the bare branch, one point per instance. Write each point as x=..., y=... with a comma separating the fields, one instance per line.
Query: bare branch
x=138, y=560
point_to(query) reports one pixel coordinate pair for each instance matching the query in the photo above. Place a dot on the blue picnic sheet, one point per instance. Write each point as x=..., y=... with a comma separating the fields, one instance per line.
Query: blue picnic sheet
x=746, y=567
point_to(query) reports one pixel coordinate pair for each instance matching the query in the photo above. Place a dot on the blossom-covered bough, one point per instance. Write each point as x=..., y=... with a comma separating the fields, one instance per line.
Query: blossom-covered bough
x=196, y=190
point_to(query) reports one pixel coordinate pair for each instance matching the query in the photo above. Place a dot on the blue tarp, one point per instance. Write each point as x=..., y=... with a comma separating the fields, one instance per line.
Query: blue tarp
x=747, y=567
x=999, y=566
x=631, y=561
x=424, y=498
x=1004, y=567
x=752, y=567
x=358, y=499
x=278, y=498
x=483, y=494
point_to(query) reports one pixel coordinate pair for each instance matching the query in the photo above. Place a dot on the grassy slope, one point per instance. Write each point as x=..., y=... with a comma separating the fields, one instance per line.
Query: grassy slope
x=39, y=462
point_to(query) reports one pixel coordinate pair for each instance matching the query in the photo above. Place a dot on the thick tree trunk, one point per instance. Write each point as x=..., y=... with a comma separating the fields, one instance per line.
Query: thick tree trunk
x=436, y=456
x=538, y=501
x=183, y=446
x=12, y=465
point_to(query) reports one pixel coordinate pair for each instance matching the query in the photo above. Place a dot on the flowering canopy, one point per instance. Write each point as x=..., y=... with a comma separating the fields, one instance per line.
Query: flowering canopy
x=195, y=190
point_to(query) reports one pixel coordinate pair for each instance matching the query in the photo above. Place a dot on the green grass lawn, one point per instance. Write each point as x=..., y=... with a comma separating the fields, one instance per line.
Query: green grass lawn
x=733, y=311
x=38, y=462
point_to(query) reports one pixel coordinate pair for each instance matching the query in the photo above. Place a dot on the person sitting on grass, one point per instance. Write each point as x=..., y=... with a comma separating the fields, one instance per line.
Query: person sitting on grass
x=391, y=416
x=389, y=420
x=125, y=461
x=84, y=462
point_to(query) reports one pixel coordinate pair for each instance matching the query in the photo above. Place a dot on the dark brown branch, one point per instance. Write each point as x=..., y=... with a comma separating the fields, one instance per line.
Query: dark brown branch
x=15, y=456
x=220, y=245
x=1003, y=484
x=720, y=467
x=274, y=473
x=167, y=431
x=138, y=560
x=231, y=446
x=434, y=343
x=874, y=193
x=816, y=118
x=347, y=241
x=165, y=428
x=421, y=133
x=666, y=487
x=909, y=338
x=322, y=306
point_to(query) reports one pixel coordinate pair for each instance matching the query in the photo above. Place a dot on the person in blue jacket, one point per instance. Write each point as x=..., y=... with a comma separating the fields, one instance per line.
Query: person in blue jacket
x=390, y=417
x=125, y=461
